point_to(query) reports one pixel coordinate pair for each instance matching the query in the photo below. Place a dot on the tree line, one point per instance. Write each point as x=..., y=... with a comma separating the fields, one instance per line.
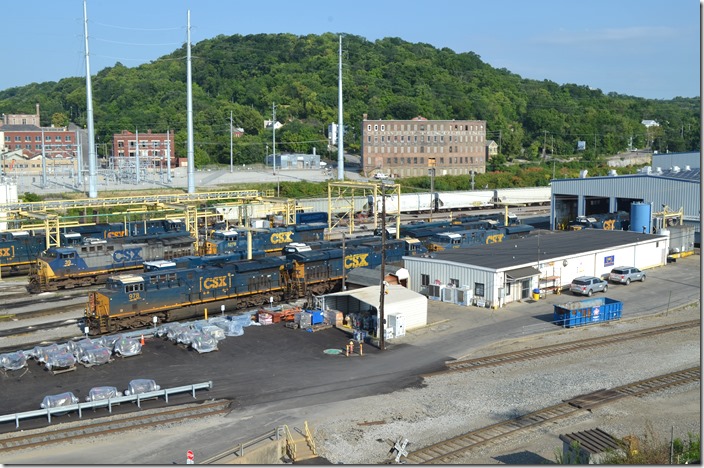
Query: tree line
x=388, y=78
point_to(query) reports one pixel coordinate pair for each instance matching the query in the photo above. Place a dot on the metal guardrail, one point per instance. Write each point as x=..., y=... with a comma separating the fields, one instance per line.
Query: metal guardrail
x=238, y=450
x=48, y=412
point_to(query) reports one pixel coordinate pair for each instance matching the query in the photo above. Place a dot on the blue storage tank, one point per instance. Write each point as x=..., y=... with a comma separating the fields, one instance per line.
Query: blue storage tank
x=586, y=312
x=641, y=215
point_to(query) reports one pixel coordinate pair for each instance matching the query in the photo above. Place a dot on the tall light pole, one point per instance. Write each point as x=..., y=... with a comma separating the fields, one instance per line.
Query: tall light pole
x=340, y=126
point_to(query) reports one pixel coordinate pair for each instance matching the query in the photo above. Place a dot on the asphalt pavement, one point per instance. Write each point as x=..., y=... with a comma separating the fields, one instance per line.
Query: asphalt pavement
x=275, y=368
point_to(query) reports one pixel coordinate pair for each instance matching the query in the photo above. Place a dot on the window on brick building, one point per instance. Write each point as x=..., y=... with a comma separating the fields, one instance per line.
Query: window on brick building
x=450, y=149
x=415, y=160
x=396, y=160
x=422, y=160
x=376, y=127
x=422, y=149
x=408, y=160
x=442, y=160
x=388, y=160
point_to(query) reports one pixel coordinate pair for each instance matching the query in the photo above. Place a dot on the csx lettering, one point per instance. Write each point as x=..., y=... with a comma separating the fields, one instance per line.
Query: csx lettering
x=217, y=282
x=7, y=252
x=281, y=237
x=609, y=224
x=128, y=255
x=356, y=261
x=494, y=239
x=116, y=234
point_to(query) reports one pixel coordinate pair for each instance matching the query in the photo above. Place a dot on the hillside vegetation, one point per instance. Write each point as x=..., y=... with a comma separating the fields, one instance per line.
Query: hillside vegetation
x=386, y=79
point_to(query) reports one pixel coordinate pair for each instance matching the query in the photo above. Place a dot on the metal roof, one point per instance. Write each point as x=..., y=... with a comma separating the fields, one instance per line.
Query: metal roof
x=371, y=295
x=545, y=245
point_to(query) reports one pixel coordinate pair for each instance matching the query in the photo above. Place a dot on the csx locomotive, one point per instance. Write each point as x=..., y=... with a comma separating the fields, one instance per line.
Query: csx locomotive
x=20, y=249
x=270, y=240
x=132, y=300
x=93, y=261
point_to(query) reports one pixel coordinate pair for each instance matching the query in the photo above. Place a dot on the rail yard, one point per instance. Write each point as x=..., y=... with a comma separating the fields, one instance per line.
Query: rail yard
x=301, y=375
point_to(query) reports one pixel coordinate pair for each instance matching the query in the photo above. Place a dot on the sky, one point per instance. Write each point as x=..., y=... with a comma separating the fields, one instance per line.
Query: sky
x=643, y=48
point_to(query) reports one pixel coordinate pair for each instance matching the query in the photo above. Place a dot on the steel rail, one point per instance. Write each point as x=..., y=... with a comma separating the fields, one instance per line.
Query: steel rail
x=561, y=348
x=445, y=451
x=114, y=424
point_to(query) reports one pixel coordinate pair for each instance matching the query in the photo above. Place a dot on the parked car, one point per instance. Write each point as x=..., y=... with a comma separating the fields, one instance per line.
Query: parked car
x=625, y=275
x=587, y=285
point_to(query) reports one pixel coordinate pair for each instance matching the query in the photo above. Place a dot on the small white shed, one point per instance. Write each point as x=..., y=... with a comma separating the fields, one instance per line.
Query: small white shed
x=403, y=309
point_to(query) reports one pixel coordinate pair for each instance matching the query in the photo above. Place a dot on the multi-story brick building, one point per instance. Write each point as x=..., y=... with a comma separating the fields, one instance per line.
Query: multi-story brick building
x=29, y=137
x=154, y=148
x=404, y=148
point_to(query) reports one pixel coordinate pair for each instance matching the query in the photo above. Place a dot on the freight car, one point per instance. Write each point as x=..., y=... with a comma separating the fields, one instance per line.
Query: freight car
x=92, y=262
x=132, y=300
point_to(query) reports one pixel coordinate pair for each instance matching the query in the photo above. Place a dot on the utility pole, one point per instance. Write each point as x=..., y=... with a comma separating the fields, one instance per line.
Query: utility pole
x=343, y=260
x=382, y=320
x=273, y=138
x=431, y=173
x=136, y=154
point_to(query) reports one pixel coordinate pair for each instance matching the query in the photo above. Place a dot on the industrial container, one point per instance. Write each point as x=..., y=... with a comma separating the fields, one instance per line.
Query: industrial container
x=316, y=316
x=435, y=291
x=588, y=311
x=641, y=217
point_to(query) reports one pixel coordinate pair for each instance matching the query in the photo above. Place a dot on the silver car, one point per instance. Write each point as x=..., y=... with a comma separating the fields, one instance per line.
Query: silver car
x=625, y=275
x=587, y=285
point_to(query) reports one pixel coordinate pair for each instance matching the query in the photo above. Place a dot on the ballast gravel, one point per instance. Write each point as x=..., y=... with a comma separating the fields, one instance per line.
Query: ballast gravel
x=363, y=430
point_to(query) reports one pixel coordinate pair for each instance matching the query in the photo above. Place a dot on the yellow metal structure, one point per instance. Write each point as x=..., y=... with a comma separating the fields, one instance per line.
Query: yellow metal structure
x=341, y=196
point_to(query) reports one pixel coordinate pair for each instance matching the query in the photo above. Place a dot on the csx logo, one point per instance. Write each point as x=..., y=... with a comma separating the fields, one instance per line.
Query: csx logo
x=128, y=255
x=8, y=252
x=609, y=224
x=281, y=237
x=216, y=282
x=356, y=261
x=116, y=234
x=494, y=239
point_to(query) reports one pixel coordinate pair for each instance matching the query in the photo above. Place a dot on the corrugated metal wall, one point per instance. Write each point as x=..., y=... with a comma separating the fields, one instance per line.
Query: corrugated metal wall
x=655, y=189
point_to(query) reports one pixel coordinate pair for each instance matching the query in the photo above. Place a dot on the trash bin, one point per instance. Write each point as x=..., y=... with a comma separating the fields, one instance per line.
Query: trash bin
x=536, y=294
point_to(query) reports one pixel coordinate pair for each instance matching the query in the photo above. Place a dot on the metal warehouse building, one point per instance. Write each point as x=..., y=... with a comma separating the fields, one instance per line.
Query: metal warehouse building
x=671, y=190
x=494, y=275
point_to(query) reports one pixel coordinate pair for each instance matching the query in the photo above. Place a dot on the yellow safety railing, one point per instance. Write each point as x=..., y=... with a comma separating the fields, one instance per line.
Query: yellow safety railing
x=290, y=444
x=309, y=438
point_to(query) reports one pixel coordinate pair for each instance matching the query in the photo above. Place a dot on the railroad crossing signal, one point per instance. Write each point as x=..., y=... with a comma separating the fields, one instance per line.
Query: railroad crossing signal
x=400, y=449
x=189, y=457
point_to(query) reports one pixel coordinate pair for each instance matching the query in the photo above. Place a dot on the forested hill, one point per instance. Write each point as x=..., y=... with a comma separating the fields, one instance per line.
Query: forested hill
x=386, y=79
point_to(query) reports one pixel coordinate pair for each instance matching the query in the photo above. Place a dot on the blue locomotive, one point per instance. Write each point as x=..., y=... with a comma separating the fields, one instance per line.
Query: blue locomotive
x=472, y=237
x=177, y=293
x=19, y=249
x=270, y=240
x=95, y=259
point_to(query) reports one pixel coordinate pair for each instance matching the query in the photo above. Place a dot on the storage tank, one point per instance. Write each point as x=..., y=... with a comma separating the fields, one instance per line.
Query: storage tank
x=641, y=217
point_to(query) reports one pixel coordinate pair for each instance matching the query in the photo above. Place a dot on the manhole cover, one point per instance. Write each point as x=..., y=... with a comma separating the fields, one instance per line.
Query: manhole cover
x=333, y=351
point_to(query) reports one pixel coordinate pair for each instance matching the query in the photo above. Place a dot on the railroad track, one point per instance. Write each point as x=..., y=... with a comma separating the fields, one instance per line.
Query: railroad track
x=444, y=452
x=113, y=425
x=551, y=350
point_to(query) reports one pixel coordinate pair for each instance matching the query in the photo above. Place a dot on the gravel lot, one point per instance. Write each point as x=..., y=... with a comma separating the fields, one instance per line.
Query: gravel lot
x=452, y=404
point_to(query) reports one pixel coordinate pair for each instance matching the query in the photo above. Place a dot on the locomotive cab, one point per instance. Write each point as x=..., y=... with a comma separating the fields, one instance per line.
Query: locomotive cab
x=222, y=242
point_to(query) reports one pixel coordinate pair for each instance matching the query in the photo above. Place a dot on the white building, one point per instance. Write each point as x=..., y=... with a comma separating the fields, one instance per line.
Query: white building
x=493, y=275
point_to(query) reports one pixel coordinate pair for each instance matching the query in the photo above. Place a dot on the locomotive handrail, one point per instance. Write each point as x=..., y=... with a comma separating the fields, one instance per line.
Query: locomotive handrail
x=108, y=403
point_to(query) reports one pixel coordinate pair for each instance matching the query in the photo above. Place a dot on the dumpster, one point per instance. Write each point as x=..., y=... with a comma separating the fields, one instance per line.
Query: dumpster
x=536, y=294
x=586, y=312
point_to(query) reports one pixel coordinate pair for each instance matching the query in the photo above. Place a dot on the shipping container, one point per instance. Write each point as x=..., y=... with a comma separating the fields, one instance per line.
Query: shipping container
x=586, y=312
